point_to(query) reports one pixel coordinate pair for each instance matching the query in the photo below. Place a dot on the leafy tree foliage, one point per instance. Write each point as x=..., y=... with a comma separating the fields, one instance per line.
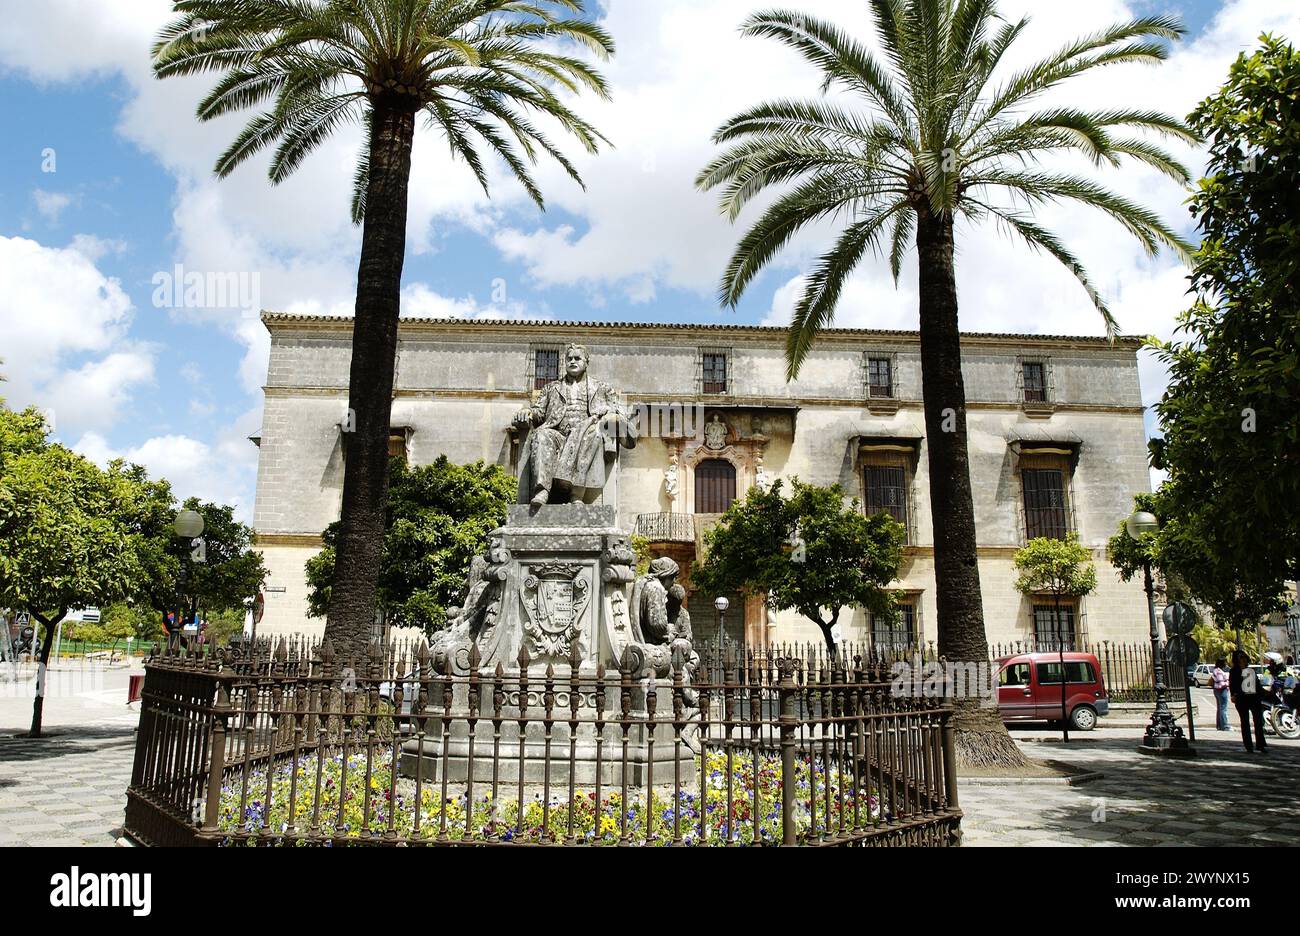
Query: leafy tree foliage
x=65, y=541
x=808, y=552
x=1061, y=568
x=1230, y=509
x=73, y=535
x=438, y=519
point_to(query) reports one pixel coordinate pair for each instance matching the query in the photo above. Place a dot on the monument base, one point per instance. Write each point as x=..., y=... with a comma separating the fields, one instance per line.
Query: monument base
x=648, y=755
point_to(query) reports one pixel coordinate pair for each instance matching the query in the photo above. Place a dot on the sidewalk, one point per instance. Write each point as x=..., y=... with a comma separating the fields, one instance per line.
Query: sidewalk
x=69, y=787
x=1223, y=796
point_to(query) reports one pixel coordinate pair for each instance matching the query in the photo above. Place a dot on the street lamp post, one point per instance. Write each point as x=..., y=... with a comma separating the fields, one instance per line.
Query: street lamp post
x=1163, y=736
x=187, y=526
x=721, y=603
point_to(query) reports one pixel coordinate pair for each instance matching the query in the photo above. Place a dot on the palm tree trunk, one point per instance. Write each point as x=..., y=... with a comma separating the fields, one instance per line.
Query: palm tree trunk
x=370, y=388
x=982, y=739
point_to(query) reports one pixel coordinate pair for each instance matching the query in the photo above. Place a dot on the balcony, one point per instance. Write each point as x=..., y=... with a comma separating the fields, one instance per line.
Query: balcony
x=666, y=527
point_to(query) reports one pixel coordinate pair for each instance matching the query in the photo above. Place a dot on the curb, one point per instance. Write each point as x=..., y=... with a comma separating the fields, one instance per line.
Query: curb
x=1072, y=780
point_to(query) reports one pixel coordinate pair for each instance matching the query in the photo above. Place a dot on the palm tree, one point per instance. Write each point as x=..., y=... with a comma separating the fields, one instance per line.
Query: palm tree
x=927, y=135
x=479, y=70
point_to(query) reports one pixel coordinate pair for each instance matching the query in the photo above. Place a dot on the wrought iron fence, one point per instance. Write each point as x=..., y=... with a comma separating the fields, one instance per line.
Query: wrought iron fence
x=666, y=527
x=294, y=747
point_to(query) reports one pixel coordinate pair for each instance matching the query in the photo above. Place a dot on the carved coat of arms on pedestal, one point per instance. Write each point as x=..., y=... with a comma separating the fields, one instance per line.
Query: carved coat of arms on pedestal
x=554, y=596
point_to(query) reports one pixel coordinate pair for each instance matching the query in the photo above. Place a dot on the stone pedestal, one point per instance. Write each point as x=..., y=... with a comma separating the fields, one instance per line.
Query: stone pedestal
x=587, y=752
x=558, y=585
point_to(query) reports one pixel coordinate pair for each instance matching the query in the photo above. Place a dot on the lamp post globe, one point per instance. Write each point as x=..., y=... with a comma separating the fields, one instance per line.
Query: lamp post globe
x=721, y=603
x=188, y=524
x=1140, y=522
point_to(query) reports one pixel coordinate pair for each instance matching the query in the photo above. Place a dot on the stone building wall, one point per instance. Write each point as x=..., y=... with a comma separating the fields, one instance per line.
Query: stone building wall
x=458, y=383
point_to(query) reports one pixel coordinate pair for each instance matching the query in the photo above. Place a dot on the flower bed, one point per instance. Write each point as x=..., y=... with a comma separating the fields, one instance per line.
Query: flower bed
x=607, y=823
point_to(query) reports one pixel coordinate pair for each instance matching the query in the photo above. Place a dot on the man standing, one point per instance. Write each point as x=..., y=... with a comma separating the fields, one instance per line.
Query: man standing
x=1243, y=684
x=566, y=449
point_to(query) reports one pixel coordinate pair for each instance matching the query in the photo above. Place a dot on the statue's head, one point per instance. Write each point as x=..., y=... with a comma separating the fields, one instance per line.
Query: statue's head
x=575, y=360
x=664, y=569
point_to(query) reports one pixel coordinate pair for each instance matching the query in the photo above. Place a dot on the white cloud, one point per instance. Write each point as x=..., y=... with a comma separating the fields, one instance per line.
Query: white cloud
x=421, y=301
x=51, y=204
x=63, y=331
x=223, y=471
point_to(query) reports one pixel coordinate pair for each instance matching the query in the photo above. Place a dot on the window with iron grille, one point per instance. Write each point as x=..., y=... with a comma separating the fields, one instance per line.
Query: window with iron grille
x=715, y=372
x=1046, y=636
x=895, y=635
x=880, y=377
x=887, y=491
x=1035, y=381
x=546, y=367
x=1045, y=513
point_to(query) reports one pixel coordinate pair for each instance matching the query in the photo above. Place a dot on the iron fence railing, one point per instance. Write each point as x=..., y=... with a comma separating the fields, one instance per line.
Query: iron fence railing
x=294, y=747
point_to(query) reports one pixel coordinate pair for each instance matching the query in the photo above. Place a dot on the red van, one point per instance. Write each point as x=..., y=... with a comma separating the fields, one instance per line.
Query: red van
x=1029, y=689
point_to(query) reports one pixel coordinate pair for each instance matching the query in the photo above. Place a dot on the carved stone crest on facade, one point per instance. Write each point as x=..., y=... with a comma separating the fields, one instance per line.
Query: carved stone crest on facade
x=554, y=596
x=715, y=433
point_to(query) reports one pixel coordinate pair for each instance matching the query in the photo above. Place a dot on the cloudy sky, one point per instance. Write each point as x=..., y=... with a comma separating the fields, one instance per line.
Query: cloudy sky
x=106, y=187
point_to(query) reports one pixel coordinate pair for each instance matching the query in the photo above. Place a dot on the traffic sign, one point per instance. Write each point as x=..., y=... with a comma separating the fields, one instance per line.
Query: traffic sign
x=1182, y=652
x=1179, y=618
x=259, y=607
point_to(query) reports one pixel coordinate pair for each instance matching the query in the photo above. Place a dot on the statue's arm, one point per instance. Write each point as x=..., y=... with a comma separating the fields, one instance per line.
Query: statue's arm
x=535, y=414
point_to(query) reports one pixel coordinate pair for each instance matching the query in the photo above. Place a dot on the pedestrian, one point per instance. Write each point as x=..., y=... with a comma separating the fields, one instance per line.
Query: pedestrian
x=1219, y=682
x=1243, y=685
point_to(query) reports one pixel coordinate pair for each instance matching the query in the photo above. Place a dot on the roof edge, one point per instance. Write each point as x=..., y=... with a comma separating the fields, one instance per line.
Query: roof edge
x=271, y=318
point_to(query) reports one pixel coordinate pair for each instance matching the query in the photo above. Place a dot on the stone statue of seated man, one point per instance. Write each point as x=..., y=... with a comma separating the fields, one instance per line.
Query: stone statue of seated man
x=576, y=428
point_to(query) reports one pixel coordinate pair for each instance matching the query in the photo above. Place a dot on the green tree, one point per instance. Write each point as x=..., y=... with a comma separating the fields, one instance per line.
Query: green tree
x=437, y=519
x=143, y=624
x=1194, y=564
x=1062, y=569
x=808, y=552
x=946, y=130
x=1220, y=643
x=478, y=70
x=65, y=542
x=1231, y=412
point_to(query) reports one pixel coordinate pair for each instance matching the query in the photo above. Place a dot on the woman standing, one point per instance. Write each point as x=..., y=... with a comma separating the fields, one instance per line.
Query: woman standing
x=1219, y=682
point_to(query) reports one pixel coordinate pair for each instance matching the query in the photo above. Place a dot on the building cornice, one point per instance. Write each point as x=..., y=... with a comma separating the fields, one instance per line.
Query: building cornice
x=311, y=540
x=730, y=401
x=283, y=323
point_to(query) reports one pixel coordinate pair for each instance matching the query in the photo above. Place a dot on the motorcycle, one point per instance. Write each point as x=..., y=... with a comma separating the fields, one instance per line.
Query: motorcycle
x=1280, y=705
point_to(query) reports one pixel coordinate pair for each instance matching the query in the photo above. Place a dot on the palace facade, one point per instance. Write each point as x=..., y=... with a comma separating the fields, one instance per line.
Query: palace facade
x=1056, y=443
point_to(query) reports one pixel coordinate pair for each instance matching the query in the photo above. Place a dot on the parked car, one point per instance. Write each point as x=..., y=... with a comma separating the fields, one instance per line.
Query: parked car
x=1203, y=675
x=1029, y=689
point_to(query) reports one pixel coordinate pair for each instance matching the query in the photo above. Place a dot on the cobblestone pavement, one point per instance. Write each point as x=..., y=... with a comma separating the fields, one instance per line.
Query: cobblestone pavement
x=68, y=788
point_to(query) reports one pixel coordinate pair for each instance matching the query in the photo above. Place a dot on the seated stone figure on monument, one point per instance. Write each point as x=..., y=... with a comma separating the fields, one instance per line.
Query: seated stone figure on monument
x=661, y=627
x=577, y=426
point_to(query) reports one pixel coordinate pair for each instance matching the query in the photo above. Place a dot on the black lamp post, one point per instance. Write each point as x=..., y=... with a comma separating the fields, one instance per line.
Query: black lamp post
x=1163, y=736
x=187, y=526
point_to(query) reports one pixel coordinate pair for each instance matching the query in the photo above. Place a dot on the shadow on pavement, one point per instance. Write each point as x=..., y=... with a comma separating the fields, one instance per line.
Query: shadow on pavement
x=61, y=741
x=1223, y=796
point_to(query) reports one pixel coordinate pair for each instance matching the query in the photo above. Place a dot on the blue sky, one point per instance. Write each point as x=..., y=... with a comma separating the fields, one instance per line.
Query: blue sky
x=131, y=195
